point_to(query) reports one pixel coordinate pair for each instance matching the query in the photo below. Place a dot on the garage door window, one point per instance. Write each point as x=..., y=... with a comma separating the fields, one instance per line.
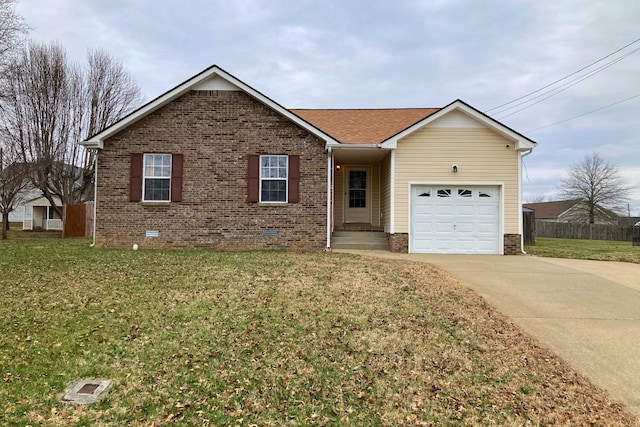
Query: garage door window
x=463, y=192
x=445, y=192
x=485, y=194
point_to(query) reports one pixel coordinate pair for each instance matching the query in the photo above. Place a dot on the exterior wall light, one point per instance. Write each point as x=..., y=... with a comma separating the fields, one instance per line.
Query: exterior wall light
x=454, y=168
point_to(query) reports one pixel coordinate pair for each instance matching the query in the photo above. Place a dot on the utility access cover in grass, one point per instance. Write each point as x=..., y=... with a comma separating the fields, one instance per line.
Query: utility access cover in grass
x=86, y=391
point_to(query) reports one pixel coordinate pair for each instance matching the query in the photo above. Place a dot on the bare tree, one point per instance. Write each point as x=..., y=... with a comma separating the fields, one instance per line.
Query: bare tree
x=12, y=27
x=36, y=111
x=51, y=105
x=598, y=184
x=13, y=182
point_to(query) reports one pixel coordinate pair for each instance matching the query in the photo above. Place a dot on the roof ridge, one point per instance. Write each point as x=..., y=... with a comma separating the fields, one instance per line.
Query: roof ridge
x=366, y=109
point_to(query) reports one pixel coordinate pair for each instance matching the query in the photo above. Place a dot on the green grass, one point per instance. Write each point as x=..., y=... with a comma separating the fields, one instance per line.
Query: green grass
x=266, y=338
x=603, y=250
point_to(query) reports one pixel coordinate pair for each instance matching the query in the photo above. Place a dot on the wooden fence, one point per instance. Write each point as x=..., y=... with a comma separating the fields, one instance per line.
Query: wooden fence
x=563, y=230
x=78, y=220
x=529, y=227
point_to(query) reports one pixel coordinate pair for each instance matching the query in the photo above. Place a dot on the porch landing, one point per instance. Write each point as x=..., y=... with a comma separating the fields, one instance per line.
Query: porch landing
x=370, y=240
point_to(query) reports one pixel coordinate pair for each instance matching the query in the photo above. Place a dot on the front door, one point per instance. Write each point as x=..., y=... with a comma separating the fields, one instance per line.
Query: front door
x=357, y=198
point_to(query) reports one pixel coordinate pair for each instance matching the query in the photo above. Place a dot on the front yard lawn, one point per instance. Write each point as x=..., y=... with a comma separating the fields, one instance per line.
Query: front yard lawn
x=267, y=338
x=601, y=250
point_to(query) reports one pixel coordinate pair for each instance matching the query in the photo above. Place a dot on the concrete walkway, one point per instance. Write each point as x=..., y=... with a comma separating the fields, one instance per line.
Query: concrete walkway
x=587, y=312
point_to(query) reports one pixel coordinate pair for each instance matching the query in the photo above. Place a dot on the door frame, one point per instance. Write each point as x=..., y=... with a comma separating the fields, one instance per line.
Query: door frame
x=345, y=188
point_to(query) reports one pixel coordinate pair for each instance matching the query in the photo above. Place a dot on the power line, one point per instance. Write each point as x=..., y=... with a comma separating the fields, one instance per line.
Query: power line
x=584, y=114
x=563, y=87
x=565, y=77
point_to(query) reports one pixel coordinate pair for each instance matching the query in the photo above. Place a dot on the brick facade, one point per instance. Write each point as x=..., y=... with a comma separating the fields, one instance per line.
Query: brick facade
x=215, y=131
x=399, y=242
x=512, y=244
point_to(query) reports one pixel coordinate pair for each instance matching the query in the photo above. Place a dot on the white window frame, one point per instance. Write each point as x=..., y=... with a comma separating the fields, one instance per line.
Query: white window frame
x=146, y=176
x=269, y=178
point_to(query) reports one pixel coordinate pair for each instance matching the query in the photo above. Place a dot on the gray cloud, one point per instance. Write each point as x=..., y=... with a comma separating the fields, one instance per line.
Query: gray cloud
x=406, y=53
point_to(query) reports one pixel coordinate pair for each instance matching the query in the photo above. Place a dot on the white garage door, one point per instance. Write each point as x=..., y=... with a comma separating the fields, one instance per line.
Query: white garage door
x=455, y=219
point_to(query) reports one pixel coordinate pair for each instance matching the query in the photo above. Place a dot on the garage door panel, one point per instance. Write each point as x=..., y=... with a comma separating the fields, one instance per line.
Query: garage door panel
x=484, y=210
x=483, y=228
x=465, y=209
x=445, y=245
x=465, y=226
x=443, y=210
x=424, y=211
x=455, y=219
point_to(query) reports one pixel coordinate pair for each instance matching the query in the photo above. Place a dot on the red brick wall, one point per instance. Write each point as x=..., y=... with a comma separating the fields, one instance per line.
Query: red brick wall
x=512, y=244
x=399, y=242
x=215, y=131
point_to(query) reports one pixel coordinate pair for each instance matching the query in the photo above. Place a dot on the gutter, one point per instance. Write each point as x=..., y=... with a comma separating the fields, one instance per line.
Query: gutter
x=351, y=146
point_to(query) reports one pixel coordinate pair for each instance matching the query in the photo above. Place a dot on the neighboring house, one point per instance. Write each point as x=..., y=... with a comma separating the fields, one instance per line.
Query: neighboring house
x=39, y=214
x=17, y=215
x=629, y=220
x=29, y=194
x=573, y=211
x=215, y=163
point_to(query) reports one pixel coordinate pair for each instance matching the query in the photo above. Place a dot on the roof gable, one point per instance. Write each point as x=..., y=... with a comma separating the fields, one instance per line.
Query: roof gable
x=363, y=126
x=213, y=78
x=43, y=201
x=469, y=115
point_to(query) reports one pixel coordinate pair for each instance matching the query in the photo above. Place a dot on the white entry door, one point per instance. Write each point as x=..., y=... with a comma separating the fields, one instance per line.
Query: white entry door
x=455, y=219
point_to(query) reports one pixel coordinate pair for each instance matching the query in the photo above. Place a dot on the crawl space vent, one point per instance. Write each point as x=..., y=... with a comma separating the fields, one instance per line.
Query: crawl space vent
x=270, y=233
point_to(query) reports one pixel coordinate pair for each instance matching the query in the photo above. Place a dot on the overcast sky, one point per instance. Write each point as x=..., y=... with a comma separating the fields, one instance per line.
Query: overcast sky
x=401, y=53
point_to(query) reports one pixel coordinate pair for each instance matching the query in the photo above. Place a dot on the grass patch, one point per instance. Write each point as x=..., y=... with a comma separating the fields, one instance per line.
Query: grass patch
x=267, y=338
x=602, y=250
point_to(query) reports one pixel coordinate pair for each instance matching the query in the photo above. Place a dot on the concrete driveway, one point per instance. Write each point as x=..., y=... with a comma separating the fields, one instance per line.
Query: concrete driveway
x=587, y=312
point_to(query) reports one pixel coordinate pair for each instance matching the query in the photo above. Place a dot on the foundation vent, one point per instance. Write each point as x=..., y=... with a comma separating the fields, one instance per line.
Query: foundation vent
x=270, y=233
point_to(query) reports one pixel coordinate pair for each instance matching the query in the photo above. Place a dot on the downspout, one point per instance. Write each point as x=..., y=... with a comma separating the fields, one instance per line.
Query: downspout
x=329, y=194
x=392, y=197
x=95, y=196
x=522, y=156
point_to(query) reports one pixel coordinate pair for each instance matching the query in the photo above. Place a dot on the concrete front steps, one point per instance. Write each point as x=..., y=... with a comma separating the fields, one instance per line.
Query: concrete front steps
x=372, y=240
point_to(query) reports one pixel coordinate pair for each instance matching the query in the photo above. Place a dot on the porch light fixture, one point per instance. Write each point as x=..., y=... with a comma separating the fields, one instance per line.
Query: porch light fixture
x=454, y=168
x=338, y=166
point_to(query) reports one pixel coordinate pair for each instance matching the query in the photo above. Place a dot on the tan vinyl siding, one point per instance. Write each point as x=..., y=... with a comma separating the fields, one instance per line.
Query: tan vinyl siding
x=385, y=191
x=375, y=194
x=338, y=197
x=481, y=155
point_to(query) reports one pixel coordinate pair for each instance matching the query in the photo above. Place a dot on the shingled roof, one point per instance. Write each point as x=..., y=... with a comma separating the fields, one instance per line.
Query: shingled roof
x=363, y=126
x=551, y=210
